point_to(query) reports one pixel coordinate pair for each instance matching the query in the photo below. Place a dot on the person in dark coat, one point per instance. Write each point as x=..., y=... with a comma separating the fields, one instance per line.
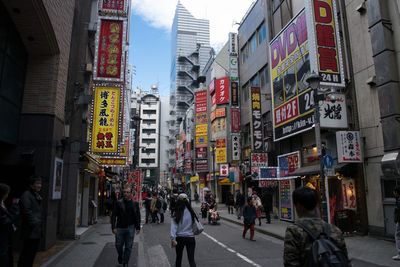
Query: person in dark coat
x=240, y=202
x=31, y=211
x=125, y=219
x=266, y=200
x=8, y=218
x=249, y=215
x=230, y=202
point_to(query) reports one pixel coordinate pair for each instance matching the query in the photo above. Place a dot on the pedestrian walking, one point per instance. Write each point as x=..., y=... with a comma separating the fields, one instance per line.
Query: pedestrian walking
x=147, y=207
x=311, y=241
x=240, y=202
x=125, y=219
x=8, y=219
x=155, y=208
x=182, y=231
x=230, y=202
x=162, y=209
x=257, y=203
x=249, y=218
x=173, y=200
x=396, y=193
x=31, y=225
x=266, y=200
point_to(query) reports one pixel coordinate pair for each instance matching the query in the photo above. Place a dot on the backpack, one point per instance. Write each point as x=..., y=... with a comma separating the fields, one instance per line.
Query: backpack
x=324, y=251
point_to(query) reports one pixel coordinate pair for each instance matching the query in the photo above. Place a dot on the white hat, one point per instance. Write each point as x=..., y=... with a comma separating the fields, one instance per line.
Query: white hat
x=183, y=196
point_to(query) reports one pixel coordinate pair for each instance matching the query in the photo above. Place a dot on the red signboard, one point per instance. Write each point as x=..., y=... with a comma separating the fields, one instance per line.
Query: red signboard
x=222, y=90
x=287, y=111
x=110, y=49
x=201, y=152
x=235, y=120
x=113, y=5
x=201, y=101
x=213, y=100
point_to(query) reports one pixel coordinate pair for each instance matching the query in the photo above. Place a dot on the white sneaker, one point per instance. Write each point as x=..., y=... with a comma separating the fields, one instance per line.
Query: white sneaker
x=396, y=258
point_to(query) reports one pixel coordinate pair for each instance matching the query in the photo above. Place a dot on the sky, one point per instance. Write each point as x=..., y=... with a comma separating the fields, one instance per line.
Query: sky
x=150, y=27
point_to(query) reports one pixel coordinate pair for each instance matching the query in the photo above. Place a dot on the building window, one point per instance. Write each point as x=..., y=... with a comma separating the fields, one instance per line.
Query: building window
x=255, y=81
x=253, y=44
x=261, y=33
x=245, y=53
x=245, y=93
x=149, y=111
x=149, y=141
x=149, y=131
x=149, y=122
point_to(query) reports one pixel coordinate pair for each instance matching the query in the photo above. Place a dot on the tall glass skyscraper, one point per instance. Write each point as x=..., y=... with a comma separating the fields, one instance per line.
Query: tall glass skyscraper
x=190, y=53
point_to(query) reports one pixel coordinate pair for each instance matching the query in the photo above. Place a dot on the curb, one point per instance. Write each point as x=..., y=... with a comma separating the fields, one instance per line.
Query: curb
x=262, y=231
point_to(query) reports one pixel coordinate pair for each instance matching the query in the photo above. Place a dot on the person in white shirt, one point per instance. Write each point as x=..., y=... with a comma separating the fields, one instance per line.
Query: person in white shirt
x=182, y=230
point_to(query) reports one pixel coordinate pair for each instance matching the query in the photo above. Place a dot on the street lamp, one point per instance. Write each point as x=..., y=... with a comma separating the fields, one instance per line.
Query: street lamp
x=314, y=81
x=212, y=143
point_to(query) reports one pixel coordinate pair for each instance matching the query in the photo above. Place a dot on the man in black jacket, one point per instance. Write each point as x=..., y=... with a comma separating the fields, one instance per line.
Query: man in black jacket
x=31, y=211
x=124, y=220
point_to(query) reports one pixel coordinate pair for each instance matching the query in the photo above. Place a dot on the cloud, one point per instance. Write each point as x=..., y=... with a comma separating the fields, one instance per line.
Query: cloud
x=221, y=13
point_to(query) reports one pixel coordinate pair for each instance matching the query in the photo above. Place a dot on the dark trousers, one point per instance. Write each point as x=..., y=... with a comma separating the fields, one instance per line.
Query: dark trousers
x=190, y=243
x=28, y=253
x=148, y=213
x=154, y=216
x=124, y=242
x=6, y=255
x=161, y=217
x=247, y=227
x=230, y=209
x=268, y=216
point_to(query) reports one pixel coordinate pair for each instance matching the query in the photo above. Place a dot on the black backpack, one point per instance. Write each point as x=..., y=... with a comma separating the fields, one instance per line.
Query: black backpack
x=324, y=251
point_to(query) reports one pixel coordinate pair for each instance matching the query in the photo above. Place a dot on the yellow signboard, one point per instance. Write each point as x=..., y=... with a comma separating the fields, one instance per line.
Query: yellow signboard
x=112, y=161
x=220, y=155
x=201, y=129
x=201, y=140
x=105, y=123
x=194, y=179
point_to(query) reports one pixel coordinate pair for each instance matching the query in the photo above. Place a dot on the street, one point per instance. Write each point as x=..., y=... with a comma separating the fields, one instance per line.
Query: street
x=218, y=245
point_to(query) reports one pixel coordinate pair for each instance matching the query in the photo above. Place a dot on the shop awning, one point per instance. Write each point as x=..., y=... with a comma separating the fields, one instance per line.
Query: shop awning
x=313, y=169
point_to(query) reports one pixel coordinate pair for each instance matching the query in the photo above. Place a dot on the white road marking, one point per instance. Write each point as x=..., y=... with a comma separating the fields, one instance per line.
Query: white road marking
x=243, y=257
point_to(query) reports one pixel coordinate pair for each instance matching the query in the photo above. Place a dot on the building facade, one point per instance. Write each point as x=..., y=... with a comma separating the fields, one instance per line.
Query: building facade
x=149, y=137
x=190, y=52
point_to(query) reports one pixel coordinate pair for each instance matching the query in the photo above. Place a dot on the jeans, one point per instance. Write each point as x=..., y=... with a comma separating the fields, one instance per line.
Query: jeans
x=247, y=227
x=125, y=237
x=190, y=243
x=397, y=237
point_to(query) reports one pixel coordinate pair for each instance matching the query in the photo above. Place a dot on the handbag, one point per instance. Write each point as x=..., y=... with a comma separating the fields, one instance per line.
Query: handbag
x=197, y=227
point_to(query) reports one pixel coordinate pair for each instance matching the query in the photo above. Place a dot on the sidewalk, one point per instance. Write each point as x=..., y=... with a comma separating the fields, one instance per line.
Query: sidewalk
x=364, y=248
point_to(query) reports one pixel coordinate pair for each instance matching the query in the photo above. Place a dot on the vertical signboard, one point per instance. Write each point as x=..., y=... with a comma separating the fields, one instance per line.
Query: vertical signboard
x=333, y=114
x=236, y=150
x=220, y=151
x=292, y=100
x=110, y=45
x=222, y=91
x=256, y=122
x=201, y=130
x=235, y=120
x=234, y=93
x=286, y=188
x=348, y=146
x=324, y=41
x=201, y=101
x=105, y=120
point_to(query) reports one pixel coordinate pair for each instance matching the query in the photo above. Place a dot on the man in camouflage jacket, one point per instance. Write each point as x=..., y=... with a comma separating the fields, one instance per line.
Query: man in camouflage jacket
x=297, y=242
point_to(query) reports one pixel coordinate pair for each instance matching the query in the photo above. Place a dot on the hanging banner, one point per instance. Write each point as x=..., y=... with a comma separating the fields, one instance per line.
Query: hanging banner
x=220, y=112
x=256, y=123
x=292, y=100
x=222, y=91
x=324, y=42
x=235, y=120
x=109, y=62
x=349, y=194
x=113, y=7
x=233, y=44
x=105, y=120
x=201, y=129
x=234, y=93
x=201, y=101
x=333, y=114
x=348, y=146
x=236, y=150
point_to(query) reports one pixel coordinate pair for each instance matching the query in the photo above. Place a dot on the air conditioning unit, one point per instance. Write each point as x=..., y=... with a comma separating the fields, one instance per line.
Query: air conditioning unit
x=89, y=67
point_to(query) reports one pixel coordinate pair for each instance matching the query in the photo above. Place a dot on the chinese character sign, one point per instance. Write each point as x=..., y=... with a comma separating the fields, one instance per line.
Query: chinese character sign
x=259, y=159
x=106, y=116
x=292, y=100
x=257, y=134
x=333, y=114
x=222, y=91
x=113, y=7
x=288, y=163
x=109, y=59
x=236, y=149
x=348, y=146
x=220, y=151
x=325, y=48
x=201, y=101
x=235, y=120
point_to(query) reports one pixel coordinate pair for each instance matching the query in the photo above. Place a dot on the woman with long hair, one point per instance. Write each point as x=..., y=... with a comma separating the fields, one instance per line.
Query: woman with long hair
x=182, y=230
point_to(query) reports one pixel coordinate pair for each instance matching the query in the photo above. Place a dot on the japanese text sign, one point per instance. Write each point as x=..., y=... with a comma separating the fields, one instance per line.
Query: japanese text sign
x=105, y=120
x=113, y=7
x=235, y=120
x=236, y=149
x=222, y=91
x=333, y=114
x=292, y=100
x=349, y=146
x=109, y=57
x=256, y=122
x=112, y=161
x=201, y=129
x=223, y=170
x=220, y=151
x=259, y=159
x=325, y=47
x=234, y=93
x=288, y=163
x=201, y=101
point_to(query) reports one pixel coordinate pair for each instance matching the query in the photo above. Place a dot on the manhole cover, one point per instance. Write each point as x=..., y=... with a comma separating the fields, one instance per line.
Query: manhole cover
x=88, y=243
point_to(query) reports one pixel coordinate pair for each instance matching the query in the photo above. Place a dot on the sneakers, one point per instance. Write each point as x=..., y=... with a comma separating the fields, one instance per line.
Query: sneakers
x=396, y=258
